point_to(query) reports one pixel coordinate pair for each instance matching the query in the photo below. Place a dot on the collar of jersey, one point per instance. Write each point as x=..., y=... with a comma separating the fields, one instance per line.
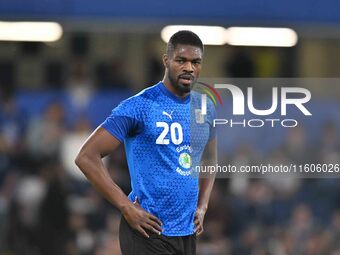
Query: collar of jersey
x=168, y=93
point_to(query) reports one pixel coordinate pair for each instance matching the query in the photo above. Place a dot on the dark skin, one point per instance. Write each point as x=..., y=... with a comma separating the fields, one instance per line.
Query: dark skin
x=182, y=67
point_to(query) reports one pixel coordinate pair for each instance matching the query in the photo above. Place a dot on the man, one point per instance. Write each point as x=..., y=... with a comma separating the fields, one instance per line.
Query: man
x=165, y=209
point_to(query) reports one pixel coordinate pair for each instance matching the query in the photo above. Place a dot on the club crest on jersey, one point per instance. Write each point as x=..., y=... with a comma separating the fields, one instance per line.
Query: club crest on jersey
x=199, y=116
x=185, y=160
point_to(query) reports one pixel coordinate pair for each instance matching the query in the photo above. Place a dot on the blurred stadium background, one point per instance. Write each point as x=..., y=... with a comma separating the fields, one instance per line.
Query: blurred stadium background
x=53, y=94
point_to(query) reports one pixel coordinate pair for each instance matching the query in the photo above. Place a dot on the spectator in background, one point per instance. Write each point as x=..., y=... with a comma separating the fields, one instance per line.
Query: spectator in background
x=69, y=146
x=12, y=122
x=284, y=186
x=53, y=211
x=7, y=193
x=295, y=145
x=12, y=131
x=301, y=226
x=244, y=155
x=23, y=217
x=335, y=229
x=45, y=133
x=109, y=243
x=328, y=146
x=80, y=86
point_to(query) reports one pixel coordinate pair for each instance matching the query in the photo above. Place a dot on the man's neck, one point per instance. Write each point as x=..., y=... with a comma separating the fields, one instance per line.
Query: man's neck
x=173, y=90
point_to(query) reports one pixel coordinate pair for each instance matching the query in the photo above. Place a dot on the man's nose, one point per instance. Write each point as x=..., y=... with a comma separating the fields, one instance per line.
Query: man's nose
x=188, y=67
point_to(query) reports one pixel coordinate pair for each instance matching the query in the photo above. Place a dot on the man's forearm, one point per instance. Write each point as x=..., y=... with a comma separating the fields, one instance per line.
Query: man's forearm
x=205, y=188
x=206, y=183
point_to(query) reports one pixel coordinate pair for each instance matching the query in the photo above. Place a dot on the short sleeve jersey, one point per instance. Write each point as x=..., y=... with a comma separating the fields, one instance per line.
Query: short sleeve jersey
x=155, y=127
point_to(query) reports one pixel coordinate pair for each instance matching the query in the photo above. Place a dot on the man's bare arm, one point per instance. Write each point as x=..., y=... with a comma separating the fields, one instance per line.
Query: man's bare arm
x=206, y=183
x=89, y=160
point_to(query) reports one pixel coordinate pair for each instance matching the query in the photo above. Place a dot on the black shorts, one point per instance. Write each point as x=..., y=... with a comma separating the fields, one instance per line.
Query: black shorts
x=134, y=243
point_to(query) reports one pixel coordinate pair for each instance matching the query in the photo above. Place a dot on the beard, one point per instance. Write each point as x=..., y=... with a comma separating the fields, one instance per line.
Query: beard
x=182, y=88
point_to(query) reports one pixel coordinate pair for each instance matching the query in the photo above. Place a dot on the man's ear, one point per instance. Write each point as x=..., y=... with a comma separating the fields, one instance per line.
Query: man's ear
x=165, y=60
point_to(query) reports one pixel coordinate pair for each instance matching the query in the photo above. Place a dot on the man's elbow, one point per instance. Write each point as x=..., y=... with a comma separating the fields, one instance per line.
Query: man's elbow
x=80, y=159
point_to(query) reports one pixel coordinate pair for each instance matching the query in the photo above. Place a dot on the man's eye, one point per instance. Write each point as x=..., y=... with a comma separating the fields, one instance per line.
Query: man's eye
x=180, y=61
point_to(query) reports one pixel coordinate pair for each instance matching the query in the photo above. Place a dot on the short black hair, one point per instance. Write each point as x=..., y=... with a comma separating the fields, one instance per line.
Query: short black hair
x=185, y=37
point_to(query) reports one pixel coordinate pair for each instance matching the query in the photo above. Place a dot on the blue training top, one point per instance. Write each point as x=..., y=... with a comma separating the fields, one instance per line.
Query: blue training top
x=155, y=127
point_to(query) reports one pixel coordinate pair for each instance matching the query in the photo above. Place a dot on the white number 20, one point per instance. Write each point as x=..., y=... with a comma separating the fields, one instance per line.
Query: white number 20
x=176, y=133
